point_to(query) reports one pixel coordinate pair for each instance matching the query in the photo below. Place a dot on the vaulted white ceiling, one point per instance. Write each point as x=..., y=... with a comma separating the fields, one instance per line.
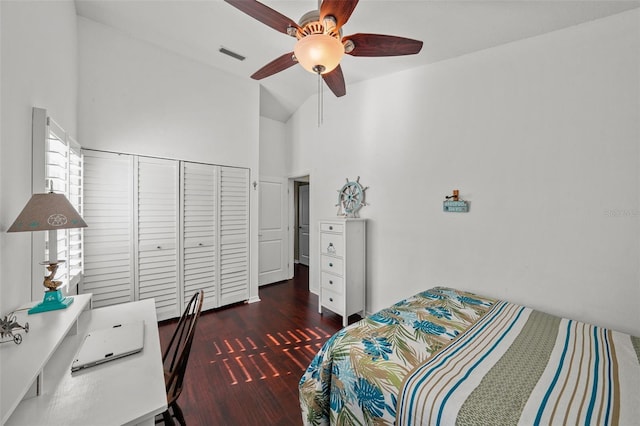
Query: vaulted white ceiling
x=199, y=28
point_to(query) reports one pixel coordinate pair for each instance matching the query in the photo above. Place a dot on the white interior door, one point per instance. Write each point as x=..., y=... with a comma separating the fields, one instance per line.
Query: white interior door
x=303, y=224
x=272, y=236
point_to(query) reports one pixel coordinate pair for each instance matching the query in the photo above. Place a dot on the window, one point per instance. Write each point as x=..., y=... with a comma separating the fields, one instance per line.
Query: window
x=63, y=174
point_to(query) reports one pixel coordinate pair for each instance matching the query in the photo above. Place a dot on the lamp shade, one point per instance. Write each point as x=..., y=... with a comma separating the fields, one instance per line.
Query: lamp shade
x=319, y=53
x=46, y=212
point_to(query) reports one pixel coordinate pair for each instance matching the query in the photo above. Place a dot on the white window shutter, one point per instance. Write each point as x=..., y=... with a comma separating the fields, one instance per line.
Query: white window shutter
x=75, y=242
x=63, y=170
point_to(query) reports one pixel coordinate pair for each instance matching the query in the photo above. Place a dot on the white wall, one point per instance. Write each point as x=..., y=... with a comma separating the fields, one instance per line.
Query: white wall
x=541, y=136
x=137, y=98
x=38, y=68
x=274, y=150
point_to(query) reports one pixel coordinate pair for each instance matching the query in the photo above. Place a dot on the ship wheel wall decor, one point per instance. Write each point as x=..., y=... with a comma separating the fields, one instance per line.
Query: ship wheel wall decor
x=351, y=198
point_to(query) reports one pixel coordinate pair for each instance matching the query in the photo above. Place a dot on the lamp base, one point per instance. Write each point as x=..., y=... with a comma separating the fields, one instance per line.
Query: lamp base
x=53, y=300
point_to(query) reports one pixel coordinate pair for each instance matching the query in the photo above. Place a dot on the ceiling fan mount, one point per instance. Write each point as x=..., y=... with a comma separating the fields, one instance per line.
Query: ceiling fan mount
x=320, y=44
x=310, y=23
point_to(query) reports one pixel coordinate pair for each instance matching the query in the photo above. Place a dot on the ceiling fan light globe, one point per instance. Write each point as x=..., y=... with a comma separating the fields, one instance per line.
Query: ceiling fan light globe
x=319, y=51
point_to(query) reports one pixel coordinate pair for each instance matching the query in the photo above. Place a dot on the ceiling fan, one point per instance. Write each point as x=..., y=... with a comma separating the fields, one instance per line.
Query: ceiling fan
x=320, y=44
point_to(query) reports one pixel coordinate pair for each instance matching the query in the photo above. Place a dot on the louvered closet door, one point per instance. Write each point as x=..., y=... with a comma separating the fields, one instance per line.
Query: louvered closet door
x=234, y=235
x=108, y=240
x=157, y=214
x=199, y=218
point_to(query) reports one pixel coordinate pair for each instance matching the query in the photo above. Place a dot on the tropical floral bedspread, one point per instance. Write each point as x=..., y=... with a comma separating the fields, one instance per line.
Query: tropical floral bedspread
x=357, y=375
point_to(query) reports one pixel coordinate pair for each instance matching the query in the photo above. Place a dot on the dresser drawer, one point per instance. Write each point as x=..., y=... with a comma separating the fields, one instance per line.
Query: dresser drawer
x=331, y=227
x=331, y=264
x=331, y=244
x=332, y=301
x=332, y=282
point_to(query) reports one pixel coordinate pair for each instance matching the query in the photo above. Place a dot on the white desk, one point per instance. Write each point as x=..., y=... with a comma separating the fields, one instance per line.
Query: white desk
x=125, y=391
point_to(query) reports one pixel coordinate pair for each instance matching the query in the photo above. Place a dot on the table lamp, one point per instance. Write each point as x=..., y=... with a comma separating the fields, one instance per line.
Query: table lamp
x=49, y=212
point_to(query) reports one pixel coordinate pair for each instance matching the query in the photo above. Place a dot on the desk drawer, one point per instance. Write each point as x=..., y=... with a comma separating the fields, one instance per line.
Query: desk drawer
x=332, y=301
x=332, y=244
x=331, y=264
x=332, y=282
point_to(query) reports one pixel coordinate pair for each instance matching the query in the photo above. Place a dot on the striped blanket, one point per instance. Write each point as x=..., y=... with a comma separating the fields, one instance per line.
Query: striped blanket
x=520, y=366
x=356, y=377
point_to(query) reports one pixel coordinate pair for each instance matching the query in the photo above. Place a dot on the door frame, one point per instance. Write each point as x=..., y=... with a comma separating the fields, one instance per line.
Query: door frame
x=302, y=187
x=303, y=176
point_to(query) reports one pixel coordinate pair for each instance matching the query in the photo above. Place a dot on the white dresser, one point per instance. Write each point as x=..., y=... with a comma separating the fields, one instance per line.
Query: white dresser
x=343, y=266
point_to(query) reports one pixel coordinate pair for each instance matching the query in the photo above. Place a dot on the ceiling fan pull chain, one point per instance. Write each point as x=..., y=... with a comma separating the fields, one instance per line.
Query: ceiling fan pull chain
x=320, y=101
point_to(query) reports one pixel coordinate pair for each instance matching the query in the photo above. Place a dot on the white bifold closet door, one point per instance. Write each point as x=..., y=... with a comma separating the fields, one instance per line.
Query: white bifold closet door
x=165, y=229
x=234, y=235
x=215, y=216
x=109, y=260
x=200, y=218
x=157, y=223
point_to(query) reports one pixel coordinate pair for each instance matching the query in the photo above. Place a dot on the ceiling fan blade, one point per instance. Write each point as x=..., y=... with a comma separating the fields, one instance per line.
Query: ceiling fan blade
x=280, y=64
x=264, y=14
x=382, y=45
x=335, y=81
x=339, y=9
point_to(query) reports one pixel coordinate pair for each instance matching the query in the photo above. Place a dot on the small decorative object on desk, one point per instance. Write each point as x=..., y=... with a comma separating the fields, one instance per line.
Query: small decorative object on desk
x=351, y=198
x=53, y=297
x=453, y=203
x=7, y=326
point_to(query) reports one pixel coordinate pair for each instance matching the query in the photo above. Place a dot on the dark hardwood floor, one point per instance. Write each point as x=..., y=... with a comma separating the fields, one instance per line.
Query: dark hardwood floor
x=247, y=359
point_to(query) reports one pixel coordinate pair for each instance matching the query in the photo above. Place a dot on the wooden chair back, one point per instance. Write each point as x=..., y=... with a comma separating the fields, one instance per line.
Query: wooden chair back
x=176, y=356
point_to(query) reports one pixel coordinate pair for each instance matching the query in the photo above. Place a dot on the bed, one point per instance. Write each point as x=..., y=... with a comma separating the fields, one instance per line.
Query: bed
x=446, y=356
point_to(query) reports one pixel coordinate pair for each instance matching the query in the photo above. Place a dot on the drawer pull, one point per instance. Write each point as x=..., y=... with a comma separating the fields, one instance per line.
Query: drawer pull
x=330, y=281
x=330, y=264
x=158, y=247
x=200, y=244
x=331, y=299
x=330, y=228
x=331, y=248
